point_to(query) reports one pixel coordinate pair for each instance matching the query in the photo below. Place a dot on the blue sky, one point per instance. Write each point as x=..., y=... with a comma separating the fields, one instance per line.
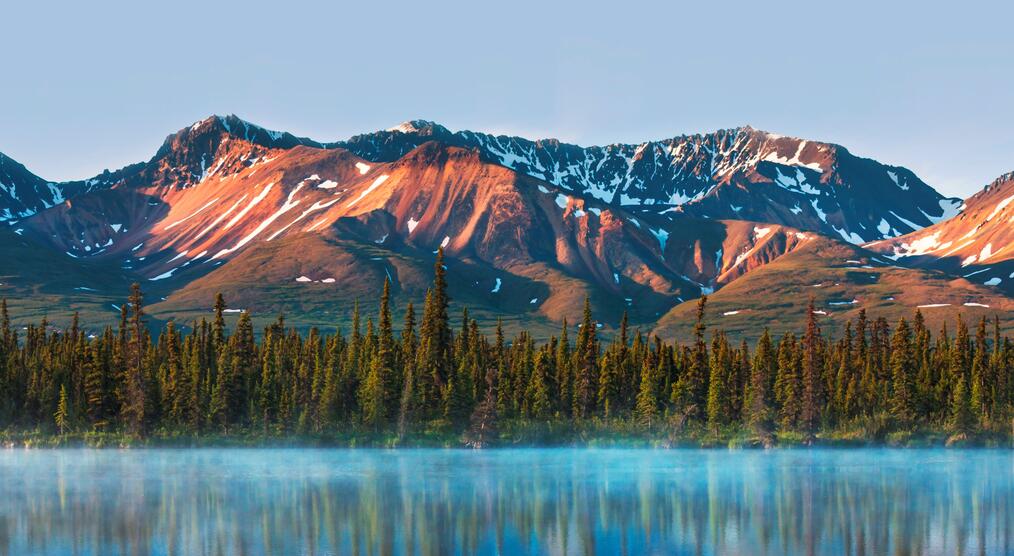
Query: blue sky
x=93, y=85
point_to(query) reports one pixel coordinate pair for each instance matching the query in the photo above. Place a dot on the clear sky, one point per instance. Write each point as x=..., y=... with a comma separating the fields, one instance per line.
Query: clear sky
x=93, y=85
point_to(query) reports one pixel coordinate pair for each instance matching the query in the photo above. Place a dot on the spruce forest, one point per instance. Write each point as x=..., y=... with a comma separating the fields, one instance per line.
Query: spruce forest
x=439, y=381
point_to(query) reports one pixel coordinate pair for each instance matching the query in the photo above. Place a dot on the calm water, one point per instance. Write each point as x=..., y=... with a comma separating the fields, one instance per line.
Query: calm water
x=308, y=502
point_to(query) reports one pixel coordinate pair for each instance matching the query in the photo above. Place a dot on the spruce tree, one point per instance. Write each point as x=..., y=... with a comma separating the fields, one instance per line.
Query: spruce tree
x=267, y=388
x=811, y=377
x=788, y=388
x=718, y=406
x=648, y=394
x=435, y=339
x=564, y=370
x=62, y=415
x=610, y=383
x=537, y=399
x=586, y=357
x=408, y=403
x=962, y=420
x=459, y=402
x=483, y=428
x=980, y=379
x=96, y=387
x=903, y=403
x=137, y=389
x=374, y=393
x=761, y=414
x=689, y=394
x=218, y=410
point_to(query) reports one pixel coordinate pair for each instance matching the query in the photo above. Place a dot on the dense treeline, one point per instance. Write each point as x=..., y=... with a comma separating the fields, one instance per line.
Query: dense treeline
x=215, y=381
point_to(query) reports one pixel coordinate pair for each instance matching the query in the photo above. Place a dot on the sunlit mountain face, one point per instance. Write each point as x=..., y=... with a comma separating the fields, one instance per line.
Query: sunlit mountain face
x=280, y=223
x=977, y=244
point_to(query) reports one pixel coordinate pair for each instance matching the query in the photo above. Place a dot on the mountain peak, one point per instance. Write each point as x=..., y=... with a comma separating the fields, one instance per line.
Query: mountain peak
x=422, y=127
x=239, y=128
x=1000, y=181
x=750, y=130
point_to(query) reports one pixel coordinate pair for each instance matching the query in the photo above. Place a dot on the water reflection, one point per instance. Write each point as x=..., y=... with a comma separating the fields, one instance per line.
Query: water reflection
x=310, y=502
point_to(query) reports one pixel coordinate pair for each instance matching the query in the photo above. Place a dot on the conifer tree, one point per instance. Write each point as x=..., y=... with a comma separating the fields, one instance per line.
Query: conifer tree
x=314, y=382
x=903, y=405
x=609, y=383
x=537, y=401
x=136, y=388
x=6, y=333
x=220, y=399
x=761, y=399
x=96, y=387
x=218, y=335
x=718, y=400
x=62, y=415
x=690, y=391
x=648, y=394
x=435, y=341
x=980, y=387
x=962, y=418
x=811, y=378
x=564, y=370
x=586, y=354
x=483, y=428
x=408, y=403
x=788, y=389
x=373, y=393
x=267, y=389
x=458, y=406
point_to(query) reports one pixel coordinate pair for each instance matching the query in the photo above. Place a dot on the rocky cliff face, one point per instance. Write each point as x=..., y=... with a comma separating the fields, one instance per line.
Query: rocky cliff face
x=529, y=228
x=977, y=244
x=738, y=173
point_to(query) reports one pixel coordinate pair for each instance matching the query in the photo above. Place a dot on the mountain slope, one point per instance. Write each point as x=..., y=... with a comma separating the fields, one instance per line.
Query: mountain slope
x=843, y=279
x=977, y=244
x=39, y=282
x=738, y=173
x=522, y=244
x=284, y=224
x=22, y=193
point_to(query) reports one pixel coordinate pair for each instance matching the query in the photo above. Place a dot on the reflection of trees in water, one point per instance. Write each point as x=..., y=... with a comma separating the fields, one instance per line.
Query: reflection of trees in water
x=563, y=502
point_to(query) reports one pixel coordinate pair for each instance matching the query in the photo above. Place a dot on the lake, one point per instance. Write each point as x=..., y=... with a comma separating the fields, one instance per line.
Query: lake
x=523, y=501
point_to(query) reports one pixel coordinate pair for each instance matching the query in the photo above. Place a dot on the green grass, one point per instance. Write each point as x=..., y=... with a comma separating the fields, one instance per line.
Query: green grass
x=595, y=432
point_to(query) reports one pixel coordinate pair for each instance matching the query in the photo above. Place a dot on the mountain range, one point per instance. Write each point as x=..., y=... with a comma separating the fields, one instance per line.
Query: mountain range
x=279, y=223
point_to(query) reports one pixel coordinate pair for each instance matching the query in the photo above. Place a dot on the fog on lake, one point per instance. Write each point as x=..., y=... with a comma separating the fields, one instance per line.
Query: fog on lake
x=522, y=501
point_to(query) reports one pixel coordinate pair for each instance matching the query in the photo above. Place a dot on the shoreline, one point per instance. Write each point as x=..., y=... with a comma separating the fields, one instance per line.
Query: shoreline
x=391, y=441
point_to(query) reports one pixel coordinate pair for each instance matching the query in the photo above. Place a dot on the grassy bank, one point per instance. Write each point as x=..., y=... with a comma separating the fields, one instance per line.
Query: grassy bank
x=517, y=433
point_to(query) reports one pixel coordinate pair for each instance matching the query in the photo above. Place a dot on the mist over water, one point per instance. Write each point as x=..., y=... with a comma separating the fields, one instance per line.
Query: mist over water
x=532, y=501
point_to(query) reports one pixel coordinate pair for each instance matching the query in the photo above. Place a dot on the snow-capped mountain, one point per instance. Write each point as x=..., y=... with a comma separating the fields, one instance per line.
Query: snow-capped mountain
x=199, y=151
x=977, y=244
x=22, y=193
x=738, y=173
x=529, y=228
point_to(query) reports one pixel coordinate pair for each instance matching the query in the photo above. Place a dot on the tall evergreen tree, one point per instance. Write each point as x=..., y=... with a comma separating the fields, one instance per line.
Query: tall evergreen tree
x=409, y=401
x=690, y=391
x=585, y=365
x=903, y=402
x=788, y=386
x=136, y=388
x=718, y=400
x=761, y=399
x=647, y=405
x=435, y=341
x=537, y=397
x=812, y=367
x=62, y=415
